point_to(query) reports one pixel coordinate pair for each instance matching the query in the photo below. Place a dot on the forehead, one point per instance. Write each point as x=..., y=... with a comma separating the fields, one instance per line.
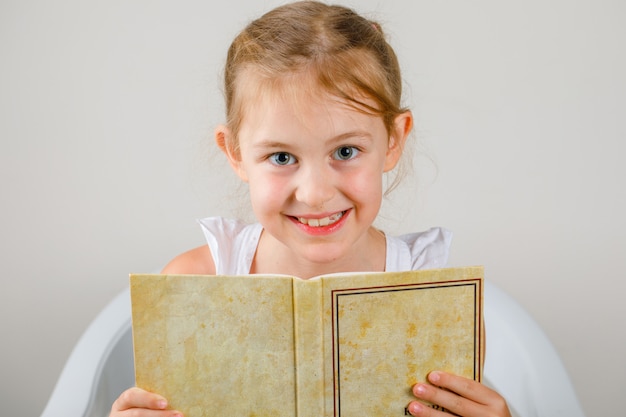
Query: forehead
x=296, y=92
x=255, y=91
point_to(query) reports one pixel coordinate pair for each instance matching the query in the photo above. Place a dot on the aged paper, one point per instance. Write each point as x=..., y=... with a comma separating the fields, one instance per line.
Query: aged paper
x=215, y=346
x=389, y=331
x=341, y=345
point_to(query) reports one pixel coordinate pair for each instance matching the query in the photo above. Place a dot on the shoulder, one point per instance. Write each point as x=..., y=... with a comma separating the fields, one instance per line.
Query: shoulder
x=198, y=261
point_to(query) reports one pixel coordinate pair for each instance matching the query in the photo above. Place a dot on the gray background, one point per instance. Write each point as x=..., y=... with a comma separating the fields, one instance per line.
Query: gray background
x=106, y=116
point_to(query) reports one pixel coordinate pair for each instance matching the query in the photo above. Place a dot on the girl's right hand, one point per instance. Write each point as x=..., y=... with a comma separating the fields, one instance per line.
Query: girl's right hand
x=136, y=402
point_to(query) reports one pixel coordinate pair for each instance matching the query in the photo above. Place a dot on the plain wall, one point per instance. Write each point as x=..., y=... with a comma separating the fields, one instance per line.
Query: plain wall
x=106, y=116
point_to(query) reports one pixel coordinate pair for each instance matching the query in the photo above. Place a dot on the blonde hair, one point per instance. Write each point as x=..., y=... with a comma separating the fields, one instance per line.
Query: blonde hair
x=346, y=54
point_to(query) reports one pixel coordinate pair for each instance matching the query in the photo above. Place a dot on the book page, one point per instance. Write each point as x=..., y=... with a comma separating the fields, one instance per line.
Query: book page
x=215, y=346
x=344, y=345
x=385, y=332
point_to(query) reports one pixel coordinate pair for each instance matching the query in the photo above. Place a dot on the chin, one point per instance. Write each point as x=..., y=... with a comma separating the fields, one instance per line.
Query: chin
x=324, y=254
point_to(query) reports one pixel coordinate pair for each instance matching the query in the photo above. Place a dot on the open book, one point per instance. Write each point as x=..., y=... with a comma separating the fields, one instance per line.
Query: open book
x=337, y=345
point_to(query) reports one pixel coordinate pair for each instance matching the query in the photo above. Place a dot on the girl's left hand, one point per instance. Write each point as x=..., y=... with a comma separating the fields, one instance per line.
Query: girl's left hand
x=458, y=396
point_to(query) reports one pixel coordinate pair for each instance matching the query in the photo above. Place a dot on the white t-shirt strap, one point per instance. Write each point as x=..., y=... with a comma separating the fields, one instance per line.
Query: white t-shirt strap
x=423, y=250
x=232, y=244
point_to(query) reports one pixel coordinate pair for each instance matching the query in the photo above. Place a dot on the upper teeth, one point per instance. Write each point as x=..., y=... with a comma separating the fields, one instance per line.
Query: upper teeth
x=325, y=221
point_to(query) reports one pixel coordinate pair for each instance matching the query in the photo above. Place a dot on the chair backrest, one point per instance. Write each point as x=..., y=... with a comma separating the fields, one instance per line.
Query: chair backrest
x=521, y=363
x=100, y=366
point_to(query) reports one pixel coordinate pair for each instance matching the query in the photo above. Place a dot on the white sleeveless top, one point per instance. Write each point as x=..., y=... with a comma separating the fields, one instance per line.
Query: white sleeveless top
x=233, y=244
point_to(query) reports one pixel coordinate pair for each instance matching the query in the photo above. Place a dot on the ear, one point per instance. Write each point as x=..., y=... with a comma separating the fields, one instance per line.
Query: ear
x=402, y=126
x=224, y=140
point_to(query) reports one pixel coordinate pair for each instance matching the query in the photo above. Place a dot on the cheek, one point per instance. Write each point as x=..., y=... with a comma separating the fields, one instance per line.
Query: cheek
x=366, y=186
x=266, y=192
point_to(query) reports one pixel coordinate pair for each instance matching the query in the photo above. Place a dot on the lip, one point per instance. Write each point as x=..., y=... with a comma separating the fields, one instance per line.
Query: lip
x=321, y=230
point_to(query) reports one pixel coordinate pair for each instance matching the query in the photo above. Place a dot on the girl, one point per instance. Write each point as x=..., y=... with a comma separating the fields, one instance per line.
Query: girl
x=314, y=120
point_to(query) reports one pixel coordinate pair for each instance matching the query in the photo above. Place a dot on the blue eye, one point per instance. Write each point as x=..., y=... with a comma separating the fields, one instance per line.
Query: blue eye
x=345, y=153
x=282, y=158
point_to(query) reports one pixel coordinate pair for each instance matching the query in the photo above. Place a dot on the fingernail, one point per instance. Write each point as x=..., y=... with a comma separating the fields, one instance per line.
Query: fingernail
x=416, y=408
x=434, y=377
x=162, y=404
x=420, y=389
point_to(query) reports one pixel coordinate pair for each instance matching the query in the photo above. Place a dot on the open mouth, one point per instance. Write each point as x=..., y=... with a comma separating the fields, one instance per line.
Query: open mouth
x=324, y=221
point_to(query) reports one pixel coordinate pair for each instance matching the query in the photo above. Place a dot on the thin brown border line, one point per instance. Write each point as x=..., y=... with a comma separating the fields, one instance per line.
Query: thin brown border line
x=475, y=282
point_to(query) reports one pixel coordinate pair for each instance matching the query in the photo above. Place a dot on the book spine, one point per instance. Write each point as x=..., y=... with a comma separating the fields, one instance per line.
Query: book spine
x=308, y=348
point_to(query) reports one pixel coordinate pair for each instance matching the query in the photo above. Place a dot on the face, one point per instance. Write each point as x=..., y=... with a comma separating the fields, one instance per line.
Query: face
x=315, y=172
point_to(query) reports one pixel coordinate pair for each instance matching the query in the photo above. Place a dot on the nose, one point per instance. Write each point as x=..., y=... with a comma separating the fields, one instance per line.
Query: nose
x=315, y=187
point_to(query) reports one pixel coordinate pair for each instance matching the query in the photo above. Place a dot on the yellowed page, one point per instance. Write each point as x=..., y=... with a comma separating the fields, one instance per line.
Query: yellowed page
x=228, y=346
x=216, y=346
x=385, y=332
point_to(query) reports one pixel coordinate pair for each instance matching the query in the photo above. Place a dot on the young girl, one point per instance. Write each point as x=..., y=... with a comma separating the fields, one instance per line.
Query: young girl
x=314, y=120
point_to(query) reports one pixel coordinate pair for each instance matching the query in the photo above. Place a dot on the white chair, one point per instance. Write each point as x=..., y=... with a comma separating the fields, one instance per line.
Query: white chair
x=99, y=368
x=521, y=363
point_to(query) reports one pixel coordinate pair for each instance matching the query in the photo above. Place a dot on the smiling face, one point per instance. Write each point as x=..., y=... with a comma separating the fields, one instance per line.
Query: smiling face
x=315, y=171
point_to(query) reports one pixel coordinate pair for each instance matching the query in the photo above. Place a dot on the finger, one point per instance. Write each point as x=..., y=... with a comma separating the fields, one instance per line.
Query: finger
x=142, y=412
x=464, y=387
x=445, y=401
x=139, y=398
x=416, y=408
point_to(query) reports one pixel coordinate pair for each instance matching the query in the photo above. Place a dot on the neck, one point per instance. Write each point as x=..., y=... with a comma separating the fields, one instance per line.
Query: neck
x=273, y=257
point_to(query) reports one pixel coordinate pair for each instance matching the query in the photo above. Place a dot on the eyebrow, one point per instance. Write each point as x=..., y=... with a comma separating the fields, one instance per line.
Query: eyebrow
x=360, y=135
x=355, y=134
x=270, y=144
